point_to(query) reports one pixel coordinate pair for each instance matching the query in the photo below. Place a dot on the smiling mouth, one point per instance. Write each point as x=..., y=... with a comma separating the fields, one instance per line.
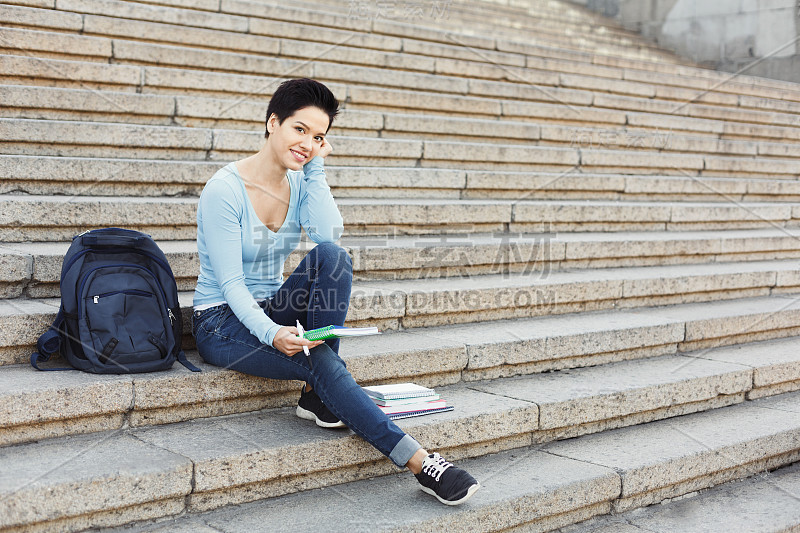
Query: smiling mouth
x=298, y=155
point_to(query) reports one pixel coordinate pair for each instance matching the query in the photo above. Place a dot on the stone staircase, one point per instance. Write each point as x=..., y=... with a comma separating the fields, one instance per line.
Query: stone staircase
x=588, y=246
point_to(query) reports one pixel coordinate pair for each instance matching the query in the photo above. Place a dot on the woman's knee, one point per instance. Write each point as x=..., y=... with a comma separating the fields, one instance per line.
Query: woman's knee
x=332, y=257
x=326, y=362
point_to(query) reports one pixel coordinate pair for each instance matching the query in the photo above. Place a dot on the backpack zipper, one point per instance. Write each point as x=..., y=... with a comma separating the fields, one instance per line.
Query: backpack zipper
x=135, y=292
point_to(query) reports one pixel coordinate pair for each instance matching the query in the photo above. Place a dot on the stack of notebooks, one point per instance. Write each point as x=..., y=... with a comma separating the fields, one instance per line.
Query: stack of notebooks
x=405, y=400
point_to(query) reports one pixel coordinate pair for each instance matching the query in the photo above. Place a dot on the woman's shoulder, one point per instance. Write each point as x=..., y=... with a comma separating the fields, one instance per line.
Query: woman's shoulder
x=224, y=179
x=223, y=187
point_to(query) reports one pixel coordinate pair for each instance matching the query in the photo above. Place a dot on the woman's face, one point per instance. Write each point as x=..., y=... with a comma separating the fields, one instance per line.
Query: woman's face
x=295, y=142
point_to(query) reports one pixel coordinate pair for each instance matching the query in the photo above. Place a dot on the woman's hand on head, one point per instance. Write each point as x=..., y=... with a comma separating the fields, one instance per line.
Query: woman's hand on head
x=325, y=148
x=288, y=342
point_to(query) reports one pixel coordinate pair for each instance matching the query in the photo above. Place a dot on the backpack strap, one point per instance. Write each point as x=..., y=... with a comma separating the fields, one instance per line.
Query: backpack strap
x=49, y=343
x=185, y=362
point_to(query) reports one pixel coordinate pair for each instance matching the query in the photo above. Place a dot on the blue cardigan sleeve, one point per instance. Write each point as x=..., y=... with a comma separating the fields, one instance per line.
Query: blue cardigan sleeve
x=221, y=214
x=319, y=215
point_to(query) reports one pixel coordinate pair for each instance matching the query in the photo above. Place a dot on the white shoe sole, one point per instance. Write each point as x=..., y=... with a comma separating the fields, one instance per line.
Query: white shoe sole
x=305, y=414
x=472, y=490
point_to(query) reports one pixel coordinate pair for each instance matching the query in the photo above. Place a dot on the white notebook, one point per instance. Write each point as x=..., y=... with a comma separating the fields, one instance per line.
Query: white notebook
x=398, y=390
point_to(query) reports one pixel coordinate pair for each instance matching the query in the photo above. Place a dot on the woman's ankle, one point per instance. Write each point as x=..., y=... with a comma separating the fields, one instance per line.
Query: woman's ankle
x=415, y=463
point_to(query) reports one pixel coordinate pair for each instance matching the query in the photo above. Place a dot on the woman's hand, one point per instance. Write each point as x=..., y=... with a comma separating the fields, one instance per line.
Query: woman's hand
x=288, y=342
x=325, y=148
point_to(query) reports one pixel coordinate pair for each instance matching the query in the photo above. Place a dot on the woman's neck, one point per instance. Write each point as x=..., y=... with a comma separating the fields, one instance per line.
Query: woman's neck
x=261, y=169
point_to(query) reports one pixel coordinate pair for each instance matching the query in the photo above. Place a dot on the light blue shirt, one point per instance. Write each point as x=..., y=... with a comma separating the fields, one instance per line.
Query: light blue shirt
x=241, y=260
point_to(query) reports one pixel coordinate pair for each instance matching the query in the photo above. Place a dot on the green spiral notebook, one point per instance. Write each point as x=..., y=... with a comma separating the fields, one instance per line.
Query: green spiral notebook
x=331, y=332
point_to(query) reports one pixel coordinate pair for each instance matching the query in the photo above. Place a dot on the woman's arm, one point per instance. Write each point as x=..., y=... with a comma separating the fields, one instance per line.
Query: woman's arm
x=319, y=215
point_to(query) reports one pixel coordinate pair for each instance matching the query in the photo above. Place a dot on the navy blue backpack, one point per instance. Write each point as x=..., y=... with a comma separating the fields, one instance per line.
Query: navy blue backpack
x=119, y=309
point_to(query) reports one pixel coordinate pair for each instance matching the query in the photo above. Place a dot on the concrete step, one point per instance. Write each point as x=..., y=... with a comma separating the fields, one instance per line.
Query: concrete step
x=764, y=502
x=345, y=18
x=95, y=139
x=542, y=489
x=74, y=176
x=219, y=462
x=33, y=270
x=403, y=304
x=546, y=70
x=435, y=357
x=674, y=109
x=59, y=218
x=31, y=102
x=186, y=23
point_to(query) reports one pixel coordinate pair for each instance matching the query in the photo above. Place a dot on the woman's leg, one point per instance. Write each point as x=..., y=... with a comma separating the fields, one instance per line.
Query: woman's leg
x=223, y=340
x=317, y=293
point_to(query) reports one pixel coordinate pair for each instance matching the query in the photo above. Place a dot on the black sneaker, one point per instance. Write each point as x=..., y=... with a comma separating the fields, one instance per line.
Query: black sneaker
x=310, y=407
x=451, y=485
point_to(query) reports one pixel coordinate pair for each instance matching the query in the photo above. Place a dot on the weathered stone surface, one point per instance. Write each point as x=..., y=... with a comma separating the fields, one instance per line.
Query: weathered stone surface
x=554, y=338
x=343, y=178
x=418, y=100
x=535, y=182
x=540, y=93
x=544, y=491
x=739, y=211
x=440, y=150
x=15, y=266
x=100, y=134
x=108, y=471
x=773, y=362
x=640, y=159
x=91, y=173
x=68, y=214
x=391, y=78
x=154, y=54
x=249, y=449
x=576, y=397
x=86, y=101
x=562, y=112
x=169, y=31
x=696, y=278
x=397, y=27
x=335, y=18
x=672, y=122
x=24, y=320
x=141, y=11
x=718, y=165
x=673, y=457
x=420, y=47
x=575, y=211
x=41, y=18
x=64, y=43
x=762, y=503
x=56, y=69
x=289, y=29
x=718, y=188
x=606, y=85
x=461, y=126
x=357, y=211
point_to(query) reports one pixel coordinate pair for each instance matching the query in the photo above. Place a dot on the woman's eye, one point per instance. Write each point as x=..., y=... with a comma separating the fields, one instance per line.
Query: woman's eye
x=298, y=128
x=319, y=139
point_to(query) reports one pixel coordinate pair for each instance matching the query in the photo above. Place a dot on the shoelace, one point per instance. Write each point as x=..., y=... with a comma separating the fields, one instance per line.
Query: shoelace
x=435, y=466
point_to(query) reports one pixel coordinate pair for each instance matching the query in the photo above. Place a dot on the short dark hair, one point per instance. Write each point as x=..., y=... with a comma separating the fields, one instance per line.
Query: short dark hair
x=292, y=95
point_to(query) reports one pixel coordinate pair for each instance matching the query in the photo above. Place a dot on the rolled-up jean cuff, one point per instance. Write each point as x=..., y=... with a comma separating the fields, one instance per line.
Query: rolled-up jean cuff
x=404, y=450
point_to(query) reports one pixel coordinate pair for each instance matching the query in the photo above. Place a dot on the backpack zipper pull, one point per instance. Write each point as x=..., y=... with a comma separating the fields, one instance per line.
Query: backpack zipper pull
x=171, y=316
x=96, y=298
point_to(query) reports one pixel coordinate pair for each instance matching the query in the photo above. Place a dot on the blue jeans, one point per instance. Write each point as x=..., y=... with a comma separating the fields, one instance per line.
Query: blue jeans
x=317, y=294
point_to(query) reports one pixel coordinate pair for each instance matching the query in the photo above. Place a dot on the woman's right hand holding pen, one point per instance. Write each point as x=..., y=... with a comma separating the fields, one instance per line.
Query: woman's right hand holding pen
x=288, y=342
